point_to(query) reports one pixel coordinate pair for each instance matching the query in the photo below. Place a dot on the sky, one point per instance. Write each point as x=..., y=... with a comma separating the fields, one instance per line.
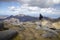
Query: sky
x=50, y=8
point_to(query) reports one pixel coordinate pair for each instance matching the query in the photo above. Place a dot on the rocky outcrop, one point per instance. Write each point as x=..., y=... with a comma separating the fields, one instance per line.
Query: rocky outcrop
x=48, y=35
x=7, y=34
x=1, y=26
x=49, y=32
x=13, y=21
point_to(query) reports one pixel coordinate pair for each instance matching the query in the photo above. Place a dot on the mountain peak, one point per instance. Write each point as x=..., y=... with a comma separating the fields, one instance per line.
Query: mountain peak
x=23, y=18
x=20, y=15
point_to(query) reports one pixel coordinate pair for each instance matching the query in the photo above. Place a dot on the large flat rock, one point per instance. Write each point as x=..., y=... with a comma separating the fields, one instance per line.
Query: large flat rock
x=7, y=34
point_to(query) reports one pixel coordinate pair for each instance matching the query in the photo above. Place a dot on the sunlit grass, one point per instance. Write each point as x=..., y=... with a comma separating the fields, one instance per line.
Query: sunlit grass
x=30, y=32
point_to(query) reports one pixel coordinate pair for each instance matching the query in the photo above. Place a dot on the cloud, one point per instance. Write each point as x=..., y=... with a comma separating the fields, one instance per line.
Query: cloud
x=12, y=8
x=27, y=10
x=56, y=1
x=34, y=7
x=33, y=11
x=38, y=3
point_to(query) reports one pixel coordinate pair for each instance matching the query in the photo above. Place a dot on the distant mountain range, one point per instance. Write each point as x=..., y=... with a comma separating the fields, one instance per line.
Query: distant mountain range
x=2, y=17
x=52, y=19
x=22, y=18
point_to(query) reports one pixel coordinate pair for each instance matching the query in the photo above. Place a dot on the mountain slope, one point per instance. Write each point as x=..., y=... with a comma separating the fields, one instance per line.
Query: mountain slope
x=2, y=17
x=23, y=18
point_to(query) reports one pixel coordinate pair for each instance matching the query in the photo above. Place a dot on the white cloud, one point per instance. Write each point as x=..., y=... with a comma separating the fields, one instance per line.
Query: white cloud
x=47, y=10
x=34, y=11
x=12, y=8
x=34, y=7
x=39, y=3
x=56, y=1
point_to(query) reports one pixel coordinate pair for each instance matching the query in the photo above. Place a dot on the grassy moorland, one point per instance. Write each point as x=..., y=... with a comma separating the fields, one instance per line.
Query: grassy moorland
x=28, y=31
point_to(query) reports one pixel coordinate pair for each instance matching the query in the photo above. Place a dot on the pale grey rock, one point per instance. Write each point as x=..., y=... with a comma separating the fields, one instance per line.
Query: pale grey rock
x=7, y=34
x=49, y=35
x=58, y=30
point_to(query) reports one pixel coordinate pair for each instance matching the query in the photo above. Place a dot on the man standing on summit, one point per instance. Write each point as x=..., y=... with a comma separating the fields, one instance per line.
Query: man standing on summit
x=39, y=24
x=40, y=18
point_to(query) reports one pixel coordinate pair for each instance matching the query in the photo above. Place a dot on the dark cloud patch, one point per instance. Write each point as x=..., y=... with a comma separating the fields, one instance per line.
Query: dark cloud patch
x=38, y=3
